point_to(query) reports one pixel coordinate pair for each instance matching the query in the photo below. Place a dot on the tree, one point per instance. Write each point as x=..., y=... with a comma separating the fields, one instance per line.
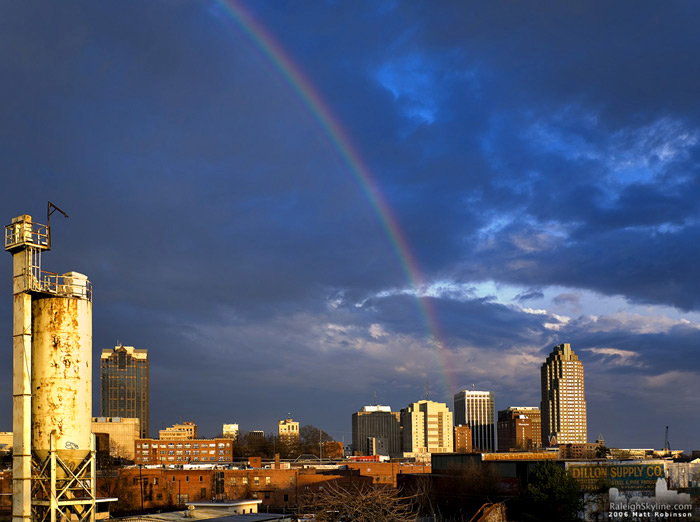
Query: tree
x=335, y=503
x=310, y=438
x=552, y=494
x=602, y=452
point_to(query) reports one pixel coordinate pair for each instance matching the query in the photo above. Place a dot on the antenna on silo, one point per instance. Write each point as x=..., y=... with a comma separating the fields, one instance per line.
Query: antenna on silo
x=50, y=210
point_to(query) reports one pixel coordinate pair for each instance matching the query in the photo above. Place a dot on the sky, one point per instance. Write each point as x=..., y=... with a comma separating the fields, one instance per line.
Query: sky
x=299, y=206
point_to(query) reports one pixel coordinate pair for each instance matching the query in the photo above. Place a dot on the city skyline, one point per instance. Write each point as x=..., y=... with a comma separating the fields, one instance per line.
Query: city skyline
x=293, y=208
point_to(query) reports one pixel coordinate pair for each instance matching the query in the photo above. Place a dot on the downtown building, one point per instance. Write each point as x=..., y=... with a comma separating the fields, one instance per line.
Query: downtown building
x=426, y=428
x=519, y=429
x=182, y=451
x=124, y=385
x=121, y=433
x=477, y=409
x=288, y=431
x=184, y=430
x=563, y=403
x=231, y=431
x=376, y=430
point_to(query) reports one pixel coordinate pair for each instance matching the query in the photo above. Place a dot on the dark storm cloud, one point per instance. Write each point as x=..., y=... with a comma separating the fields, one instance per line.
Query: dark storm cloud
x=224, y=231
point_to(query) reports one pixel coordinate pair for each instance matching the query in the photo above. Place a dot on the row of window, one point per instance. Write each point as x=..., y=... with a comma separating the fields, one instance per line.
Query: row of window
x=179, y=445
x=188, y=452
x=181, y=459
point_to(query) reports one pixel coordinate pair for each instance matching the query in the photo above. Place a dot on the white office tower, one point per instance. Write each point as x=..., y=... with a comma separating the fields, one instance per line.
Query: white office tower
x=427, y=428
x=477, y=409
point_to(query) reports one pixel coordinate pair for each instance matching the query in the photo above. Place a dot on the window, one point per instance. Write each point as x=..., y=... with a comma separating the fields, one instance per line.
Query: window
x=171, y=445
x=256, y=480
x=187, y=478
x=267, y=481
x=267, y=494
x=245, y=480
x=195, y=445
x=201, y=478
x=212, y=452
x=173, y=478
x=286, y=498
x=179, y=445
x=233, y=481
x=155, y=481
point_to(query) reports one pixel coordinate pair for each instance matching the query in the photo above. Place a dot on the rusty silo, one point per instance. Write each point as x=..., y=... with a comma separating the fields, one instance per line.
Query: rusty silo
x=53, y=458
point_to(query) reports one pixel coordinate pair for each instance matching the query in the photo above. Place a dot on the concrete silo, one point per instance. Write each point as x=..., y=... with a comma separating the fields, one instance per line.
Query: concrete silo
x=53, y=458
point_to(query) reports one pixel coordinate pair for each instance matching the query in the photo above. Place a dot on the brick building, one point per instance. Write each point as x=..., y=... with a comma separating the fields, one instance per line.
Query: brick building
x=182, y=451
x=463, y=439
x=385, y=473
x=5, y=492
x=161, y=487
x=519, y=428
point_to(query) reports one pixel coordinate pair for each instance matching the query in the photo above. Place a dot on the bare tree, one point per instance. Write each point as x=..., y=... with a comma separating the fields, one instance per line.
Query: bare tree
x=336, y=503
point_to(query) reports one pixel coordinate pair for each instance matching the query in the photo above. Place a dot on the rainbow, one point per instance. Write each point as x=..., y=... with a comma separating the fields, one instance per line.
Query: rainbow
x=319, y=109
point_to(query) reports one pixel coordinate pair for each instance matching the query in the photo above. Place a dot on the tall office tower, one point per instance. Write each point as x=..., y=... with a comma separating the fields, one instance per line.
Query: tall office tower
x=124, y=384
x=563, y=399
x=427, y=428
x=519, y=428
x=477, y=409
x=376, y=430
x=288, y=431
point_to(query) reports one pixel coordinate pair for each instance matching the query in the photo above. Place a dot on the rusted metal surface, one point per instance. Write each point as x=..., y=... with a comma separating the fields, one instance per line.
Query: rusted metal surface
x=52, y=383
x=62, y=376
